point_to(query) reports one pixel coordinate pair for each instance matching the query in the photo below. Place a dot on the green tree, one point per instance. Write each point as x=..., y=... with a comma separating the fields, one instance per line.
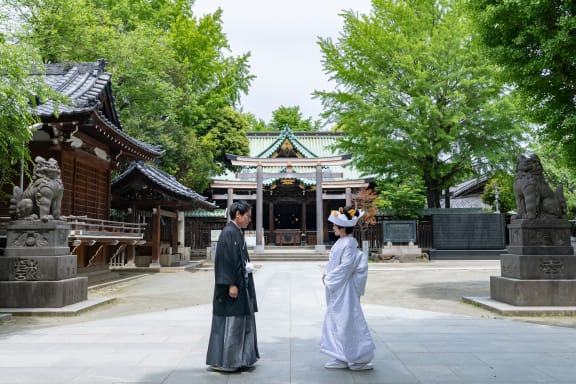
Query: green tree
x=504, y=184
x=415, y=95
x=403, y=197
x=556, y=172
x=63, y=31
x=172, y=72
x=255, y=124
x=227, y=135
x=291, y=117
x=19, y=93
x=535, y=42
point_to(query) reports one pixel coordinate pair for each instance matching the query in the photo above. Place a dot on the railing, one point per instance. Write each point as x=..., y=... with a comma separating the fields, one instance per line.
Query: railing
x=119, y=257
x=85, y=227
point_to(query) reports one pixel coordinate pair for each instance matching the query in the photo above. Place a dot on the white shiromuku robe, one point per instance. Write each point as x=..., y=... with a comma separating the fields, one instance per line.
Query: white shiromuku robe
x=345, y=333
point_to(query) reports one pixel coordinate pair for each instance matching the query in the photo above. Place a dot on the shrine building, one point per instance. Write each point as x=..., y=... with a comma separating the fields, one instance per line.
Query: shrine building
x=293, y=180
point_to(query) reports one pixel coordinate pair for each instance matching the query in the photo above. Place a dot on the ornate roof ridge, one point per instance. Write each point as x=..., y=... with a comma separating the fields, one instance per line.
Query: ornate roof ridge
x=287, y=134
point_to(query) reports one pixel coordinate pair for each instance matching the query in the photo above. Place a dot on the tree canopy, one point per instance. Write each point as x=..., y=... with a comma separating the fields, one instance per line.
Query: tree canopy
x=415, y=95
x=291, y=117
x=173, y=74
x=285, y=116
x=535, y=42
x=19, y=93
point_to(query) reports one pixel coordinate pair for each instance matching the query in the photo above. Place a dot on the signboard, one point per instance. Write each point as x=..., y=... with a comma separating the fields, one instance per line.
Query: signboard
x=215, y=234
x=403, y=231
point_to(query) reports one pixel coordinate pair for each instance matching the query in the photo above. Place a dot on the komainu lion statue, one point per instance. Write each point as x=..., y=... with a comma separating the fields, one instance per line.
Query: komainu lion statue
x=42, y=199
x=534, y=198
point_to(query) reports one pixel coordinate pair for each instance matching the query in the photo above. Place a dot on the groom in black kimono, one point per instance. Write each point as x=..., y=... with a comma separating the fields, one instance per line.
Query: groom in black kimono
x=233, y=343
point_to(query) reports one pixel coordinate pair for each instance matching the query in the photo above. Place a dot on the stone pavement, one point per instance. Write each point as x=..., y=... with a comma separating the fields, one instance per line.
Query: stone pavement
x=168, y=347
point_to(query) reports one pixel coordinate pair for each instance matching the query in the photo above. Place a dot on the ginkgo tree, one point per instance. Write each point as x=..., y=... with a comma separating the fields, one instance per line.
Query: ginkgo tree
x=535, y=42
x=415, y=95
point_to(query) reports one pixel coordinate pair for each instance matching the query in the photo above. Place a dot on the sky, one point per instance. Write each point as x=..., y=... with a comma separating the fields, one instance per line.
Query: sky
x=282, y=39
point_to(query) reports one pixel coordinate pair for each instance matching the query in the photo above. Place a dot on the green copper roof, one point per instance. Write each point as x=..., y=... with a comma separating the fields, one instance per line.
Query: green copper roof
x=298, y=144
x=286, y=134
x=217, y=213
x=308, y=144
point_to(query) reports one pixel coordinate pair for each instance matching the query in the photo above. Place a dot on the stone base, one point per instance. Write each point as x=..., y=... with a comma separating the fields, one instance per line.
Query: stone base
x=36, y=238
x=533, y=292
x=37, y=268
x=538, y=267
x=404, y=253
x=43, y=294
x=513, y=310
x=540, y=237
x=65, y=311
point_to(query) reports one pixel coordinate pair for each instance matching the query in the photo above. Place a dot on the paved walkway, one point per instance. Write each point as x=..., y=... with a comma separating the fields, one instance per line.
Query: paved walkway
x=412, y=346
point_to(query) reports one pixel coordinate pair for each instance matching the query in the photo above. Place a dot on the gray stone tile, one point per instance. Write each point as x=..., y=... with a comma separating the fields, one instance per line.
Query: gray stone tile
x=386, y=372
x=518, y=373
x=169, y=347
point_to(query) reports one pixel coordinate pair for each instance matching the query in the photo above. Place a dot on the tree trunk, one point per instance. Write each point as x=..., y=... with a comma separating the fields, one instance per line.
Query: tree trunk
x=433, y=196
x=447, y=198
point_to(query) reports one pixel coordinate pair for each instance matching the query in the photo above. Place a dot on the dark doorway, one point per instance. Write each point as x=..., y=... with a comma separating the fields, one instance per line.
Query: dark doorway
x=287, y=216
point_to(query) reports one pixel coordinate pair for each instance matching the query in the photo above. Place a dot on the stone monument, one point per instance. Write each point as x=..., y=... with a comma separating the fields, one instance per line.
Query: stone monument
x=540, y=267
x=37, y=269
x=404, y=232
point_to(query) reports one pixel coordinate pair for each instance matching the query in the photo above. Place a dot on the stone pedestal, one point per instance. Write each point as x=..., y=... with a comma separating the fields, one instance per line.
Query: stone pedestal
x=37, y=269
x=540, y=237
x=540, y=268
x=404, y=253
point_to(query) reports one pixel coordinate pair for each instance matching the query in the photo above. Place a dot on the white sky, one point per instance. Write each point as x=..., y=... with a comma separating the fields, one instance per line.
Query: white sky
x=281, y=37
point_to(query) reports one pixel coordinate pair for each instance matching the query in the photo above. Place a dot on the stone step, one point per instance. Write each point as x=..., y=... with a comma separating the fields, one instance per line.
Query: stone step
x=262, y=257
x=272, y=253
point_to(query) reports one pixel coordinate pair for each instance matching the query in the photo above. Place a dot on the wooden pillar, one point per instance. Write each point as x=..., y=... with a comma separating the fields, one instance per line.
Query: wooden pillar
x=271, y=222
x=155, y=262
x=303, y=236
x=303, y=217
x=131, y=248
x=259, y=209
x=325, y=230
x=320, y=247
x=131, y=255
x=348, y=196
x=175, y=233
x=229, y=201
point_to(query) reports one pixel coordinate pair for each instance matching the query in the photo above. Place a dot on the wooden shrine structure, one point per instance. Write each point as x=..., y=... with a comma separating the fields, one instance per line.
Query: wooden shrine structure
x=87, y=140
x=144, y=193
x=293, y=180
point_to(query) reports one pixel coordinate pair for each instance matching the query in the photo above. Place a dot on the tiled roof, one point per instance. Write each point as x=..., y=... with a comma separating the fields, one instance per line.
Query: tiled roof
x=308, y=144
x=149, y=147
x=215, y=214
x=165, y=182
x=469, y=186
x=87, y=85
x=83, y=83
x=285, y=134
x=470, y=201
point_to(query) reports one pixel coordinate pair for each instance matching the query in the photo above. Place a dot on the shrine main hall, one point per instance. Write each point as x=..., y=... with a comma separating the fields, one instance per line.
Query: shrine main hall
x=292, y=180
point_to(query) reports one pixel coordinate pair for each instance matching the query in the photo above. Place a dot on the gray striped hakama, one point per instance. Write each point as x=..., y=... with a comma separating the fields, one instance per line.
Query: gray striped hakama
x=232, y=342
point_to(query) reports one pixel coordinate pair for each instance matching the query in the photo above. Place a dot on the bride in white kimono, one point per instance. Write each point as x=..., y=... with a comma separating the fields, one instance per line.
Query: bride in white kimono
x=345, y=334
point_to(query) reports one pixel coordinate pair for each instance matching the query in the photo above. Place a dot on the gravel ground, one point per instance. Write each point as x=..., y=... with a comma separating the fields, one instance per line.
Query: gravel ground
x=436, y=286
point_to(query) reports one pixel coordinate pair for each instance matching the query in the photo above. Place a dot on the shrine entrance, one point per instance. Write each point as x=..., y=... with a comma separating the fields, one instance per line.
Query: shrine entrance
x=287, y=216
x=287, y=224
